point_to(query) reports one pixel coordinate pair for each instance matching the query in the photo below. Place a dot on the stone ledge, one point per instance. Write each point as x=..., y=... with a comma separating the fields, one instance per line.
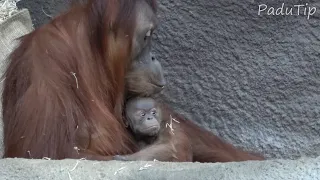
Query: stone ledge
x=16, y=169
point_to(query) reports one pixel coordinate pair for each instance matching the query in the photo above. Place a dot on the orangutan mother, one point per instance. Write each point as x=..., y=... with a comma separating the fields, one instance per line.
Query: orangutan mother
x=64, y=86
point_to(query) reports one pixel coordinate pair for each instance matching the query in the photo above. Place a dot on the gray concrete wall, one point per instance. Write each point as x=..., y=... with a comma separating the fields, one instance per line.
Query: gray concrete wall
x=253, y=80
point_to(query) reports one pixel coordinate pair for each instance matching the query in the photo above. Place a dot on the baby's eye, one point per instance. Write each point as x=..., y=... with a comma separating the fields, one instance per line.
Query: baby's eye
x=154, y=111
x=140, y=113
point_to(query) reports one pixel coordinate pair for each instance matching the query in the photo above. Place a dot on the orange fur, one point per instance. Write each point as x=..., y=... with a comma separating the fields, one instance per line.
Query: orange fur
x=206, y=146
x=67, y=78
x=64, y=90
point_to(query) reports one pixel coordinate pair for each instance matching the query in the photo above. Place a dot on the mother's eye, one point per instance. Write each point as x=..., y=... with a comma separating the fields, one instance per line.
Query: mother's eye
x=148, y=34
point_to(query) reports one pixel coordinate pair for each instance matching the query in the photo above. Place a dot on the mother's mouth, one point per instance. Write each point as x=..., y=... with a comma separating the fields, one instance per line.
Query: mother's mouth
x=159, y=85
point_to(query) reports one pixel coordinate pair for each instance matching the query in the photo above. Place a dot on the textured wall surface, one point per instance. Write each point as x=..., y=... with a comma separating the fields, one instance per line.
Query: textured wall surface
x=253, y=80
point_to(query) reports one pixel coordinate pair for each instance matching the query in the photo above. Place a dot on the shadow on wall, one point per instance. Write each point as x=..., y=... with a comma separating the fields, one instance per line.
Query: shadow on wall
x=252, y=79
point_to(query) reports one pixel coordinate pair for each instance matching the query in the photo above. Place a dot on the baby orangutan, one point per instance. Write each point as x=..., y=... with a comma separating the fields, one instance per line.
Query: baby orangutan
x=155, y=132
x=161, y=137
x=144, y=120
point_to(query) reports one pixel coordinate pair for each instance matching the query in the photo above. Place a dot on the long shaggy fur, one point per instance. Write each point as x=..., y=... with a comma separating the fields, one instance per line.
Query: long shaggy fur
x=64, y=90
x=206, y=146
x=67, y=78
